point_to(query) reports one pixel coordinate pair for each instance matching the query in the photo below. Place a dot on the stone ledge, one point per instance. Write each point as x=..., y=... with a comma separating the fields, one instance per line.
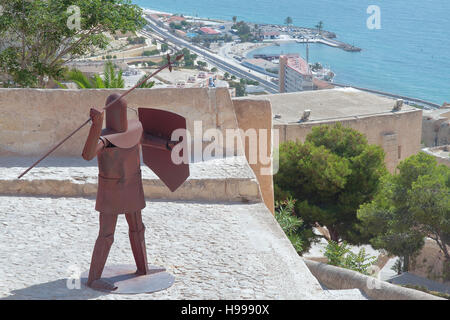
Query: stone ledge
x=229, y=179
x=344, y=279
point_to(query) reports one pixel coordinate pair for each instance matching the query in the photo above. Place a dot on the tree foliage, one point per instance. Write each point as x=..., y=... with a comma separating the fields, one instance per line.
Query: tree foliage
x=300, y=236
x=110, y=79
x=243, y=30
x=288, y=21
x=411, y=205
x=36, y=37
x=330, y=176
x=189, y=58
x=340, y=255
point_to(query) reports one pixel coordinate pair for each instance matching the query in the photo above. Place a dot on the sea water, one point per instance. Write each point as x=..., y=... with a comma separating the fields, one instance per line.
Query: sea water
x=409, y=54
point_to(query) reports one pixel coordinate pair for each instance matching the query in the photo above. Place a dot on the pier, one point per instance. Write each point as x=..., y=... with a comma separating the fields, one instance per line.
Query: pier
x=331, y=43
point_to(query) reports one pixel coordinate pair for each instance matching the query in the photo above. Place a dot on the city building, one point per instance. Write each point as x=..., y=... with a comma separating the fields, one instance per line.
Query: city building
x=176, y=19
x=398, y=132
x=270, y=35
x=294, y=74
x=436, y=127
x=208, y=31
x=261, y=65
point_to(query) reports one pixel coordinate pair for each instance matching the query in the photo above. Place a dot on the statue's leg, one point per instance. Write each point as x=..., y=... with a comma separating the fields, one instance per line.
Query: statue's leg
x=137, y=240
x=101, y=250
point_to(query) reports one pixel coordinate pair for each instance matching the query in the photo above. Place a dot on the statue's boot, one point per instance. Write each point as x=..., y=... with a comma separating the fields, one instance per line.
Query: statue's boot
x=101, y=251
x=137, y=241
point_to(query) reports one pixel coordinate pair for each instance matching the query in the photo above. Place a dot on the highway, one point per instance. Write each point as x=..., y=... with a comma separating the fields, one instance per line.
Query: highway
x=220, y=63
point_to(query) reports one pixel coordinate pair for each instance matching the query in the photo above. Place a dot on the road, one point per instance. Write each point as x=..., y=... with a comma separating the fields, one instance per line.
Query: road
x=236, y=70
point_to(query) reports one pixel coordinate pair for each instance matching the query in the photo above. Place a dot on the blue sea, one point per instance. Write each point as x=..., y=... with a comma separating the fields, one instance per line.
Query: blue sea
x=409, y=55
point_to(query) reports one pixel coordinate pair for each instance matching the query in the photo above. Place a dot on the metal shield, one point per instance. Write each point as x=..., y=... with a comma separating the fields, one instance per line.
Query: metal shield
x=162, y=124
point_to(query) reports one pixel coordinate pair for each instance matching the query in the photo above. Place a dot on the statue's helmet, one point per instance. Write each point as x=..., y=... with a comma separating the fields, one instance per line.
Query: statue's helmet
x=120, y=131
x=116, y=114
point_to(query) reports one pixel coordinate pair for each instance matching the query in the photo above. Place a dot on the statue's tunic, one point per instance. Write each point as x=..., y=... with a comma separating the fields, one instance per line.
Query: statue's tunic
x=119, y=181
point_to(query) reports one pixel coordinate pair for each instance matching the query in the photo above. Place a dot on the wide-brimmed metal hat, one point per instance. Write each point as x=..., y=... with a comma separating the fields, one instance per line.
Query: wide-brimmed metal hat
x=120, y=131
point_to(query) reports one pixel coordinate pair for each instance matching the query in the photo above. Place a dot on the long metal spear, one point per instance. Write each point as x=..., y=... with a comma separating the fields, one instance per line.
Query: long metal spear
x=168, y=65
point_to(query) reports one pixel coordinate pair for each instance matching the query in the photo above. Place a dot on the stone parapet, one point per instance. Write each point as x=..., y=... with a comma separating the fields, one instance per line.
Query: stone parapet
x=215, y=180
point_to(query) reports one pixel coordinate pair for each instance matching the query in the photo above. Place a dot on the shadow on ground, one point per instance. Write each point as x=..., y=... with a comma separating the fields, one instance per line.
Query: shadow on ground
x=54, y=290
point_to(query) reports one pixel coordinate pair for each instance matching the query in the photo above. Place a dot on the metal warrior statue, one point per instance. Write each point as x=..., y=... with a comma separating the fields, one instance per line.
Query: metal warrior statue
x=120, y=189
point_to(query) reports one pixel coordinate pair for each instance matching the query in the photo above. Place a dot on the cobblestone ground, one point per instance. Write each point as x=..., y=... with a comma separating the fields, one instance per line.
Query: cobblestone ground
x=215, y=251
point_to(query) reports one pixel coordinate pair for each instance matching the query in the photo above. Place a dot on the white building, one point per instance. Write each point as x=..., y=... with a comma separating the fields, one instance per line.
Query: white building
x=294, y=74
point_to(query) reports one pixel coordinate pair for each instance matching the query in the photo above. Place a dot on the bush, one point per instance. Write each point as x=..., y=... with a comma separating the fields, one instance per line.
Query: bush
x=300, y=236
x=150, y=52
x=164, y=47
x=136, y=40
x=340, y=255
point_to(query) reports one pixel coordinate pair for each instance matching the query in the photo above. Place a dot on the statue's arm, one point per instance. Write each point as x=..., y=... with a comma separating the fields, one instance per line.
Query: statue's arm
x=94, y=144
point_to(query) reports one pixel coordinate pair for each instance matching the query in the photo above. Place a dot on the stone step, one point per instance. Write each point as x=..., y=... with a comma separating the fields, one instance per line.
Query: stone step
x=226, y=179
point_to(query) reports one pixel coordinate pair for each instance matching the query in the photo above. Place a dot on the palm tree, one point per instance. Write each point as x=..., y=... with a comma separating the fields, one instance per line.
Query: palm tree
x=288, y=21
x=110, y=79
x=319, y=27
x=79, y=78
x=234, y=19
x=146, y=85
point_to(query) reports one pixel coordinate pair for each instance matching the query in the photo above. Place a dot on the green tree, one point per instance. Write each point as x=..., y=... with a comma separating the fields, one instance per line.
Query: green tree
x=243, y=30
x=38, y=39
x=288, y=21
x=189, y=58
x=234, y=19
x=240, y=88
x=175, y=26
x=164, y=47
x=411, y=205
x=201, y=65
x=330, y=176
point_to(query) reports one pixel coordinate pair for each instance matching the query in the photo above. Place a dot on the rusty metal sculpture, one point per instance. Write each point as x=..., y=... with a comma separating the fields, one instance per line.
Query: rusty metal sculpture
x=120, y=189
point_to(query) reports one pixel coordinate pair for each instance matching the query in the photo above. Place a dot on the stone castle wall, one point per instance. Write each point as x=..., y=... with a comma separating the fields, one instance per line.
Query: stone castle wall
x=34, y=120
x=399, y=134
